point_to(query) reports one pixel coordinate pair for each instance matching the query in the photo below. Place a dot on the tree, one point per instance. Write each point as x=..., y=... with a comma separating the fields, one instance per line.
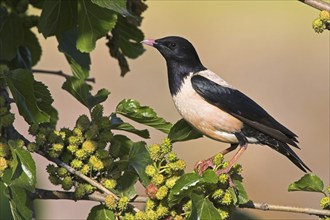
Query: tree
x=92, y=159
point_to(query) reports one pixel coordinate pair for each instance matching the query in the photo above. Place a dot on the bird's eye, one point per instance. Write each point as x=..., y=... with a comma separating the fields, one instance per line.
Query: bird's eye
x=172, y=44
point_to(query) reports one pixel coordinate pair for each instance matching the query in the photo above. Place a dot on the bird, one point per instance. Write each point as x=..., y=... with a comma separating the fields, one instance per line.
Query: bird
x=217, y=109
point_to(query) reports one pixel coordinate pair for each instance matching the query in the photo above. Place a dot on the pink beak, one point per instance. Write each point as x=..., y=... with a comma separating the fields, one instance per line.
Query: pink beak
x=149, y=42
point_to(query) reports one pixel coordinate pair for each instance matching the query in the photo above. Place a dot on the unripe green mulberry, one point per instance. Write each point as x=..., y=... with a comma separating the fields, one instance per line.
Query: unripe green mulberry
x=237, y=168
x=3, y=164
x=95, y=163
x=7, y=120
x=54, y=154
x=150, y=170
x=122, y=203
x=57, y=147
x=75, y=140
x=318, y=25
x=72, y=148
x=40, y=139
x=161, y=211
x=224, y=214
x=325, y=202
x=172, y=157
x=83, y=122
x=105, y=136
x=4, y=149
x=89, y=188
x=55, y=180
x=62, y=172
x=158, y=179
x=154, y=151
x=32, y=147
x=81, y=154
x=104, y=123
x=217, y=194
x=171, y=182
x=162, y=192
x=128, y=216
x=92, y=132
x=33, y=129
x=166, y=146
x=325, y=16
x=80, y=191
x=151, y=215
x=223, y=178
x=110, y=202
x=67, y=183
x=89, y=146
x=218, y=159
x=85, y=169
x=77, y=132
x=140, y=216
x=51, y=169
x=109, y=183
x=150, y=204
x=76, y=164
x=226, y=199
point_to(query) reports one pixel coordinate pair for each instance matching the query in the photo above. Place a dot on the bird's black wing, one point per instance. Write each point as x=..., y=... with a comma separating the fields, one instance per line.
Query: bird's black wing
x=242, y=107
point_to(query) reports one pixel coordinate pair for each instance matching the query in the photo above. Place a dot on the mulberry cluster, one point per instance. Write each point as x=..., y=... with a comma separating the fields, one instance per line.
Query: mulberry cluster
x=325, y=202
x=83, y=148
x=322, y=22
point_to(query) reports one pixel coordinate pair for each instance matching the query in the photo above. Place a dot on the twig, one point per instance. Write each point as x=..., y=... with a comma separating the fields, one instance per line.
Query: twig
x=84, y=177
x=269, y=207
x=50, y=194
x=318, y=4
x=59, y=73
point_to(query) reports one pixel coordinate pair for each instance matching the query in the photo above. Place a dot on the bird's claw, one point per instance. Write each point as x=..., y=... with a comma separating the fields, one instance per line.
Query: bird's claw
x=203, y=165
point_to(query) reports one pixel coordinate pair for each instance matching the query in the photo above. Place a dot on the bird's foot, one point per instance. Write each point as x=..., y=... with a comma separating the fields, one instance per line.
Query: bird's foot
x=203, y=165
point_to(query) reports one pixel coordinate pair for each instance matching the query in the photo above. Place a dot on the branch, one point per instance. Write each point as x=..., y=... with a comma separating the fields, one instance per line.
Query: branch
x=84, y=177
x=49, y=194
x=269, y=207
x=318, y=4
x=59, y=73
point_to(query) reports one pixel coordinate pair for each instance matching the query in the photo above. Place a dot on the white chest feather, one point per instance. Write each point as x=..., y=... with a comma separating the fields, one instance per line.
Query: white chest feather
x=205, y=117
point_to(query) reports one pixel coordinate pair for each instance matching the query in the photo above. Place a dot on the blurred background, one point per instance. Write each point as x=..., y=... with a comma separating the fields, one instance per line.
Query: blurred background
x=266, y=49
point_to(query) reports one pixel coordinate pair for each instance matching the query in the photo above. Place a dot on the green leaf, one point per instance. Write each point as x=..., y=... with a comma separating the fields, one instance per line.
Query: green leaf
x=142, y=114
x=81, y=91
x=120, y=146
x=138, y=159
x=67, y=44
x=21, y=205
x=240, y=192
x=45, y=100
x=308, y=183
x=100, y=212
x=117, y=6
x=25, y=173
x=118, y=124
x=125, y=42
x=126, y=184
x=11, y=36
x=57, y=17
x=182, y=131
x=21, y=85
x=94, y=22
x=203, y=208
x=183, y=187
x=4, y=202
x=32, y=43
x=209, y=176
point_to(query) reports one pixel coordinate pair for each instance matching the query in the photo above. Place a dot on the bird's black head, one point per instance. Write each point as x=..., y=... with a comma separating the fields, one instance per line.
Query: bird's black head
x=181, y=58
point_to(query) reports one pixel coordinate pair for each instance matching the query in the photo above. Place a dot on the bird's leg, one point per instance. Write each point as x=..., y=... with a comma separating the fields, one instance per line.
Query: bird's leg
x=202, y=165
x=234, y=159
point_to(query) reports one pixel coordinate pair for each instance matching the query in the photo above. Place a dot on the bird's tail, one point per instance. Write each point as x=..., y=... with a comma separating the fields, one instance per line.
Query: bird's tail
x=285, y=149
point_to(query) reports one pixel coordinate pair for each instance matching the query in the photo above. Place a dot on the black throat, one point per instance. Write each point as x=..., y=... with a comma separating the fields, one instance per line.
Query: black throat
x=178, y=72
